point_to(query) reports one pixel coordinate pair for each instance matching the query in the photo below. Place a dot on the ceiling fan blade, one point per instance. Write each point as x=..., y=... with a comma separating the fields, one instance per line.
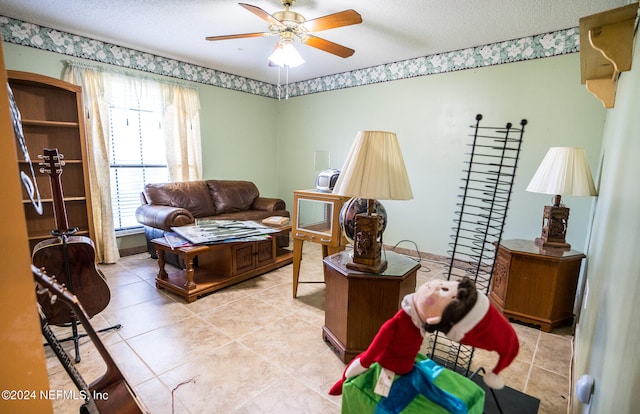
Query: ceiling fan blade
x=239, y=36
x=262, y=14
x=331, y=21
x=327, y=46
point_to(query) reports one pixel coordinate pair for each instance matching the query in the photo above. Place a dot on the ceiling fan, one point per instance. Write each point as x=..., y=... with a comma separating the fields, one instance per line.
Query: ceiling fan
x=289, y=25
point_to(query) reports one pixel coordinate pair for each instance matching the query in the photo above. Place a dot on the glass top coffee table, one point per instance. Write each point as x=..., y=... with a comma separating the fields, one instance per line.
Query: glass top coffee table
x=219, y=263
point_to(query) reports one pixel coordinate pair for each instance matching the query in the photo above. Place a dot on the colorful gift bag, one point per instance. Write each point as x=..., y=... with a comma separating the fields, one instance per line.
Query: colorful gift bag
x=428, y=388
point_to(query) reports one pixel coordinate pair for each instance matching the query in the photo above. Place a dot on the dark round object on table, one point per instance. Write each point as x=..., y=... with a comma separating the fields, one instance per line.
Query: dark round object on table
x=356, y=206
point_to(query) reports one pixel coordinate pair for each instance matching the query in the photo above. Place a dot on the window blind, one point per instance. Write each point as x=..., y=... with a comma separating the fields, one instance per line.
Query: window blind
x=137, y=152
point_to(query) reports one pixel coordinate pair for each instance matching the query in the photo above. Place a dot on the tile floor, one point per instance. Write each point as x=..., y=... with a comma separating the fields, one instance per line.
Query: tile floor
x=252, y=348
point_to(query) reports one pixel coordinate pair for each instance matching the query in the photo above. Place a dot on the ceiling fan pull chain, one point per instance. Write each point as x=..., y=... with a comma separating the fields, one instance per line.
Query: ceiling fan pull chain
x=279, y=87
x=286, y=91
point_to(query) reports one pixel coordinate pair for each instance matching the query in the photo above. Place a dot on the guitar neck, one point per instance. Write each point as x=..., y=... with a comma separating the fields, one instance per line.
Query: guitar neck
x=59, y=209
x=68, y=366
x=52, y=164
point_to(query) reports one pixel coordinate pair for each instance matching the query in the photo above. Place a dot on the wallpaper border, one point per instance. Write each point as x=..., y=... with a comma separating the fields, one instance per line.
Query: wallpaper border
x=526, y=48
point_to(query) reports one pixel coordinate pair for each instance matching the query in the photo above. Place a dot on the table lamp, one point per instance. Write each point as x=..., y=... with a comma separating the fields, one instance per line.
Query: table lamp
x=563, y=171
x=374, y=170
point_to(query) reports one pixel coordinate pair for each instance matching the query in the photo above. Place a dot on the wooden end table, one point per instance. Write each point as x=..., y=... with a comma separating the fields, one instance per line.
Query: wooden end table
x=358, y=303
x=219, y=265
x=535, y=285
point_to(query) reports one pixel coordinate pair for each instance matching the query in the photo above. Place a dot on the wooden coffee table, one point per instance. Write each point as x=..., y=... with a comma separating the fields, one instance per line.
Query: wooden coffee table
x=218, y=265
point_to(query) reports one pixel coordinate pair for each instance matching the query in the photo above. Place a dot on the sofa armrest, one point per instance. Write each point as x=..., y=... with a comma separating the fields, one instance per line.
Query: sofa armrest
x=268, y=204
x=163, y=217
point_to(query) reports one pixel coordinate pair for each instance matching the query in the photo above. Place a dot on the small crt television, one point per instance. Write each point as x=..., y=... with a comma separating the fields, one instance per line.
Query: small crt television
x=326, y=180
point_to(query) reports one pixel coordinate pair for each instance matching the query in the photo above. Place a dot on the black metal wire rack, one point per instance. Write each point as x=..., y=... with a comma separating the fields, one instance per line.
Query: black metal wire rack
x=480, y=217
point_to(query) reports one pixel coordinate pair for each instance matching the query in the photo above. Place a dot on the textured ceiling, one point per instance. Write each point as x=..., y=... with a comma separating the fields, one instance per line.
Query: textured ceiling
x=390, y=32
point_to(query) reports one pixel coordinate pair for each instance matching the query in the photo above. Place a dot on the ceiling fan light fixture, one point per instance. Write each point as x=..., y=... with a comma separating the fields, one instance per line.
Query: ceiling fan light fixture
x=286, y=54
x=288, y=25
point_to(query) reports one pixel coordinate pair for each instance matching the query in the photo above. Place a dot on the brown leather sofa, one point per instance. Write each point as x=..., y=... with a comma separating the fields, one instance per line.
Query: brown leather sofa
x=179, y=204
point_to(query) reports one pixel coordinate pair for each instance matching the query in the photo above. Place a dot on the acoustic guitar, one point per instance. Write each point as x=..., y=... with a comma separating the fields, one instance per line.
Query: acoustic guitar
x=72, y=258
x=110, y=393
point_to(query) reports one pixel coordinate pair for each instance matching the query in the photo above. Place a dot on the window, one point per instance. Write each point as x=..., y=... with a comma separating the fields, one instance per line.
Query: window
x=137, y=153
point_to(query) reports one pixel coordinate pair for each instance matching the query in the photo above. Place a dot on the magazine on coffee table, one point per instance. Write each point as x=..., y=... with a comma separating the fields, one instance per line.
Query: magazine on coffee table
x=175, y=240
x=220, y=231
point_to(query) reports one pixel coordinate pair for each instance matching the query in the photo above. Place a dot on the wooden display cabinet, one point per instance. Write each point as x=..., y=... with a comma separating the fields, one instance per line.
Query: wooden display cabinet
x=52, y=117
x=535, y=285
x=316, y=218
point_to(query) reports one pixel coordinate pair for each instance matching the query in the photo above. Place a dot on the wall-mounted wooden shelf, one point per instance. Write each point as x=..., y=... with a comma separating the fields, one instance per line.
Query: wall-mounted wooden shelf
x=606, y=45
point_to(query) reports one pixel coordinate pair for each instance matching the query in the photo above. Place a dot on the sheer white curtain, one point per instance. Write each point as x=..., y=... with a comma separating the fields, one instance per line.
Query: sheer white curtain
x=97, y=123
x=181, y=109
x=182, y=132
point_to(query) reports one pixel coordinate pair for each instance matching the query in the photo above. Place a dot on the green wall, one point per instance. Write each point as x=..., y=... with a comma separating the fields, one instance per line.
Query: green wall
x=239, y=137
x=608, y=333
x=273, y=143
x=431, y=116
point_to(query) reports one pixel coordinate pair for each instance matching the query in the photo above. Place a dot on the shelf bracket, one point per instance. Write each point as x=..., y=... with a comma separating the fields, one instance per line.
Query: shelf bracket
x=606, y=41
x=604, y=89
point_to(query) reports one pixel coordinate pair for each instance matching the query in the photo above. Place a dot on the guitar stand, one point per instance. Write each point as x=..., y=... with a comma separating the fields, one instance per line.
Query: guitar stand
x=75, y=336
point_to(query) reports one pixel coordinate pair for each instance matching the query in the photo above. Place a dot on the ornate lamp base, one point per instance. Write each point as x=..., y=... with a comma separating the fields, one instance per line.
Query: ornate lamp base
x=366, y=268
x=367, y=245
x=540, y=242
x=554, y=226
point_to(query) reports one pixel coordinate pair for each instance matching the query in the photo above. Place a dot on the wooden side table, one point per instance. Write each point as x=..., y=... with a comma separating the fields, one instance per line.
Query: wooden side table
x=316, y=218
x=535, y=285
x=357, y=303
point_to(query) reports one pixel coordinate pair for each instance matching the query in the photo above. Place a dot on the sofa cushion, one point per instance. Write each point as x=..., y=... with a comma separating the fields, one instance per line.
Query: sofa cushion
x=254, y=215
x=232, y=196
x=190, y=195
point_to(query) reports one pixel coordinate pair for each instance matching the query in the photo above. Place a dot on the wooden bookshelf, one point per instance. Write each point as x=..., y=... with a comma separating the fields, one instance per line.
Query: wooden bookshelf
x=52, y=117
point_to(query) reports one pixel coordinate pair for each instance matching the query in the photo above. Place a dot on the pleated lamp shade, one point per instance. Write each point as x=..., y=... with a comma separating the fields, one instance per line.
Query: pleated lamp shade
x=564, y=171
x=374, y=169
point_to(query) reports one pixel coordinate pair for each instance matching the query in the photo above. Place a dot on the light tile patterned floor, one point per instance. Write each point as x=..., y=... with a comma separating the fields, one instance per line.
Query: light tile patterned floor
x=252, y=348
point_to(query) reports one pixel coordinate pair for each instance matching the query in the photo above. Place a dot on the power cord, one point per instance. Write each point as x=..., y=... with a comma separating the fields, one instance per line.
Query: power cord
x=420, y=259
